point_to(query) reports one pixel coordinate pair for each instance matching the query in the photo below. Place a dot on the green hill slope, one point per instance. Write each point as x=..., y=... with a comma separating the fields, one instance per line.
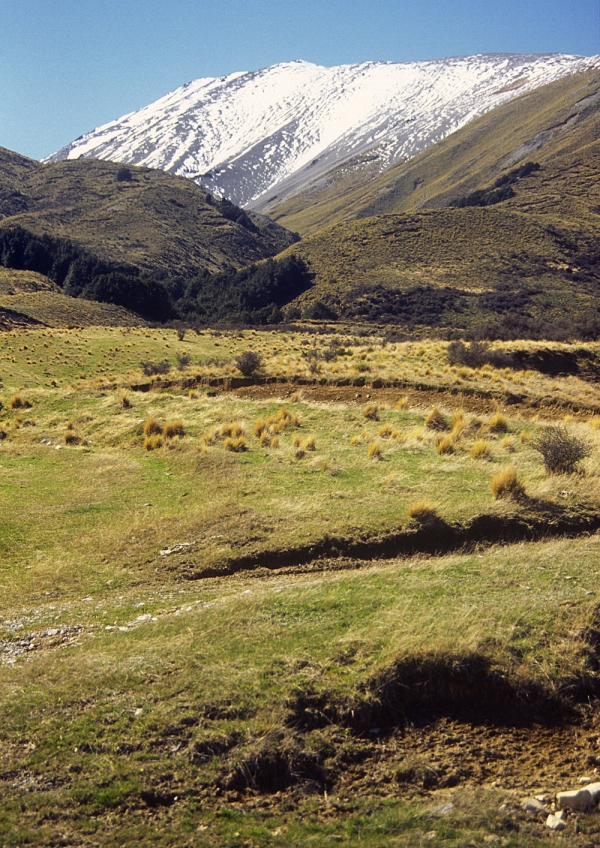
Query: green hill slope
x=151, y=219
x=557, y=125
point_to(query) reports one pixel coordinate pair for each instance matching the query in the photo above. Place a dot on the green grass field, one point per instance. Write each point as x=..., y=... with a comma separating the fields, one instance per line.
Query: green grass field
x=305, y=704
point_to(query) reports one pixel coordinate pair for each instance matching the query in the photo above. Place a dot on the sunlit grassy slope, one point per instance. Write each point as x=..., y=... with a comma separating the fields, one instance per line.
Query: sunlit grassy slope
x=143, y=704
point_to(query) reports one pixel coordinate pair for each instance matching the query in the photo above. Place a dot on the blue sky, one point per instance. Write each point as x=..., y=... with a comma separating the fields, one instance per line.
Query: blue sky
x=67, y=66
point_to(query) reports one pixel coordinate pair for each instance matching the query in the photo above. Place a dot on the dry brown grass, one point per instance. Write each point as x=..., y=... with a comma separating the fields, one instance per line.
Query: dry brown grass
x=506, y=484
x=445, y=444
x=152, y=427
x=173, y=429
x=371, y=410
x=422, y=512
x=153, y=442
x=18, y=402
x=436, y=420
x=374, y=450
x=237, y=444
x=498, y=423
x=480, y=449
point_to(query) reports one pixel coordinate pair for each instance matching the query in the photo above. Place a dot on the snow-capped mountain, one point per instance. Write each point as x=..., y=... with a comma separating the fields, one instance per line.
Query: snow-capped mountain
x=249, y=136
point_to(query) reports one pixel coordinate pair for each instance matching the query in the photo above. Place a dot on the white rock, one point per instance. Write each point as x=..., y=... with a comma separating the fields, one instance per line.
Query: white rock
x=556, y=821
x=532, y=805
x=594, y=790
x=584, y=781
x=575, y=799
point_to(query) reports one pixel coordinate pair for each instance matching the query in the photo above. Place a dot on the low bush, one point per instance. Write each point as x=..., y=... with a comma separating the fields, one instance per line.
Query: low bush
x=151, y=368
x=561, y=451
x=248, y=363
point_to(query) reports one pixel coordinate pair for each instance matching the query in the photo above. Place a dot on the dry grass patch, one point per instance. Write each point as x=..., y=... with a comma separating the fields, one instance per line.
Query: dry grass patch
x=422, y=512
x=480, y=449
x=436, y=420
x=444, y=444
x=18, y=402
x=506, y=484
x=152, y=427
x=173, y=429
x=371, y=410
x=374, y=450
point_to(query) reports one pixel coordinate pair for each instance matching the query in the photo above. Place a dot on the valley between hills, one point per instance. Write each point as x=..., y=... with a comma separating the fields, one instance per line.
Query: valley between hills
x=300, y=515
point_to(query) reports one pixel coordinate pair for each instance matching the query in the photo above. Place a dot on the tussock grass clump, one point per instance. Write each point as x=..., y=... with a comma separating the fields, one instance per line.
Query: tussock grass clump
x=561, y=451
x=310, y=444
x=508, y=444
x=498, y=423
x=18, y=402
x=506, y=484
x=422, y=512
x=385, y=431
x=173, y=429
x=436, y=420
x=153, y=442
x=71, y=438
x=233, y=430
x=300, y=453
x=152, y=427
x=235, y=444
x=401, y=403
x=124, y=402
x=444, y=444
x=480, y=449
x=283, y=420
x=458, y=424
x=374, y=450
x=371, y=410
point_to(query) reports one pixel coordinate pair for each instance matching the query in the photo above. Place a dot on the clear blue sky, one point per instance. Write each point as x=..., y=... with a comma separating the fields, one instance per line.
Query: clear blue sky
x=67, y=66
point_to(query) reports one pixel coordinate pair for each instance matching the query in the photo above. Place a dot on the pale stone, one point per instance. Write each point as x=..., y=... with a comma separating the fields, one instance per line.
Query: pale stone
x=556, y=821
x=575, y=799
x=594, y=790
x=583, y=781
x=532, y=805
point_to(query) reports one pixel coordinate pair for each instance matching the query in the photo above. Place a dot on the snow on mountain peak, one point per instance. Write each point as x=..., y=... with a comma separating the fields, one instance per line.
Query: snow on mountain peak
x=248, y=135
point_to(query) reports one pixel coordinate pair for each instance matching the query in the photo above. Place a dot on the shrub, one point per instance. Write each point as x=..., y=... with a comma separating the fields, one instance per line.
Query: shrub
x=371, y=411
x=560, y=450
x=173, y=428
x=480, y=449
x=422, y=512
x=248, y=363
x=152, y=427
x=183, y=360
x=436, y=420
x=124, y=175
x=506, y=484
x=151, y=368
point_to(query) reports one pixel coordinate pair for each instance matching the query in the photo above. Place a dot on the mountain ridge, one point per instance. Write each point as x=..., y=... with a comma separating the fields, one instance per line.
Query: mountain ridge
x=252, y=135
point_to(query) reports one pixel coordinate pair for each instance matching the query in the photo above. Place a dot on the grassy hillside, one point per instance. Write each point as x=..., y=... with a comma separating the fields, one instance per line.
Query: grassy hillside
x=28, y=298
x=215, y=642
x=557, y=125
x=152, y=220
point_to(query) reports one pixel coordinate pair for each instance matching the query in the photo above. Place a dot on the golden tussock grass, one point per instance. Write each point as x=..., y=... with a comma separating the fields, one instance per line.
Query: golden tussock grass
x=480, y=449
x=125, y=402
x=374, y=450
x=18, y=402
x=153, y=442
x=173, y=429
x=498, y=423
x=71, y=438
x=506, y=484
x=436, y=420
x=444, y=444
x=401, y=403
x=237, y=444
x=371, y=410
x=422, y=512
x=152, y=427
